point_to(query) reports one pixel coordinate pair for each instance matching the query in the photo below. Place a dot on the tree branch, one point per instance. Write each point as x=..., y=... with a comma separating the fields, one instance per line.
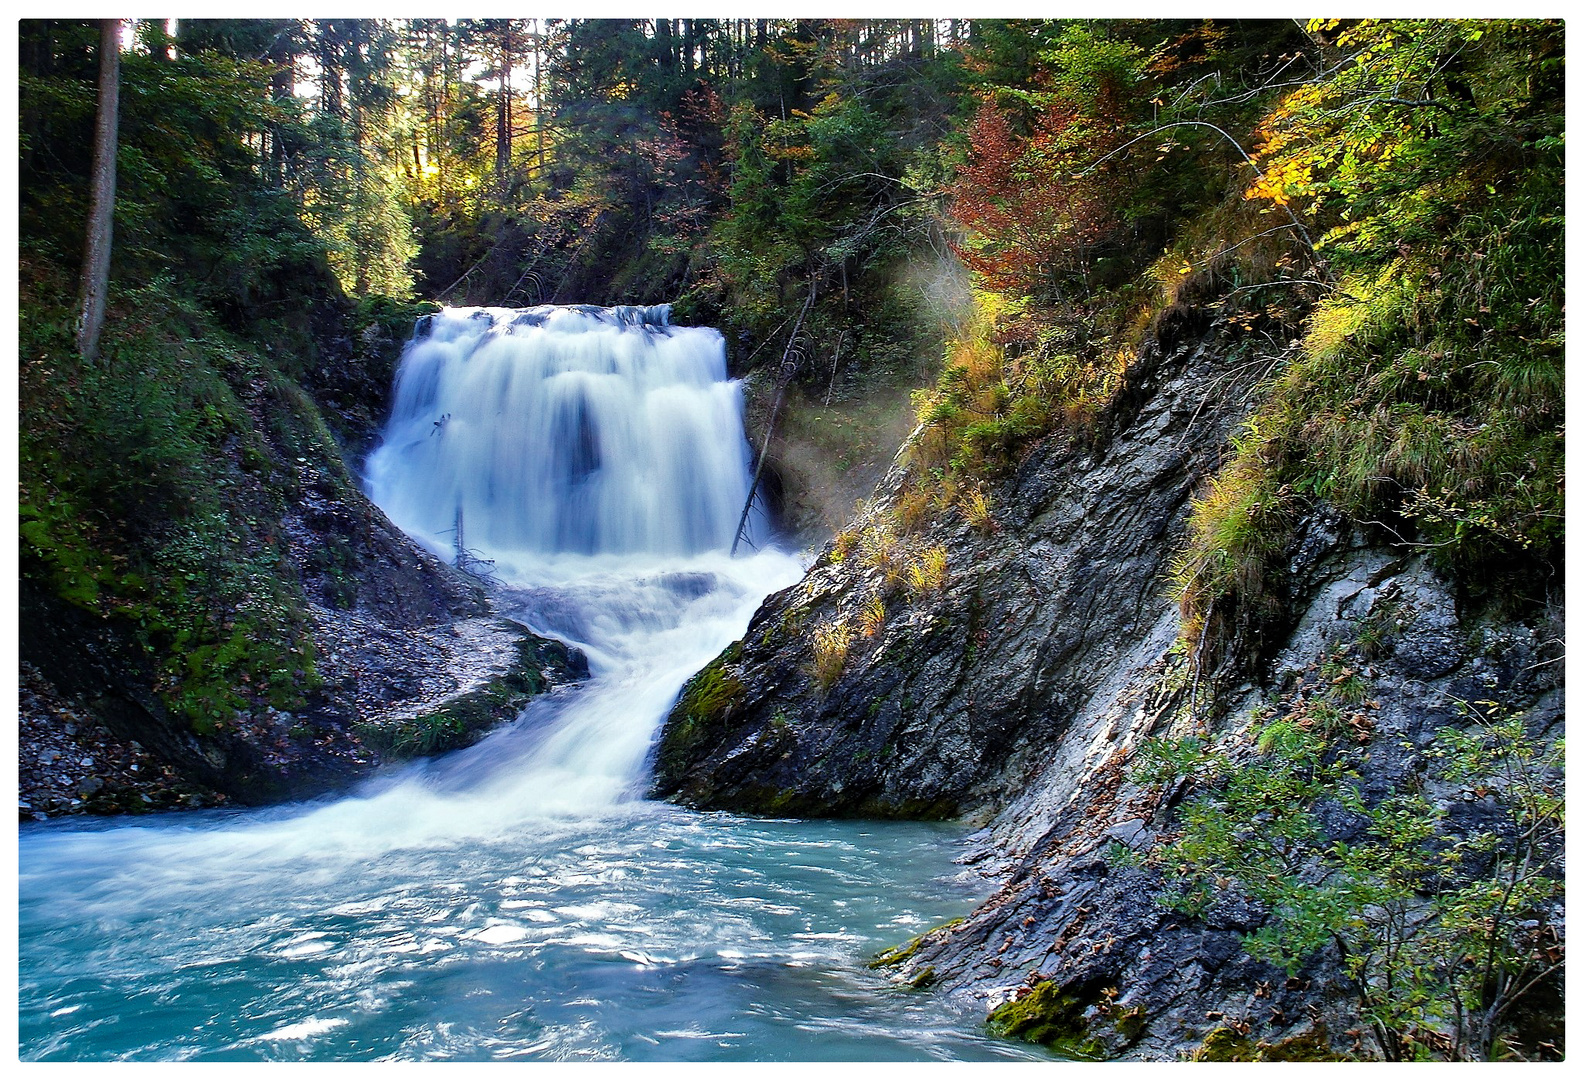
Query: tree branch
x=1298, y=225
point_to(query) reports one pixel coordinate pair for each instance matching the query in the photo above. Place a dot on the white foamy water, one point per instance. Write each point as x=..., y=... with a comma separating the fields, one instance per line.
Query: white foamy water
x=564, y=430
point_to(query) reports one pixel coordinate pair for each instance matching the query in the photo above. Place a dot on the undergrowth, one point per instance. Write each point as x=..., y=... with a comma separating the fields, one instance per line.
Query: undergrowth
x=149, y=496
x=1440, y=912
x=1426, y=400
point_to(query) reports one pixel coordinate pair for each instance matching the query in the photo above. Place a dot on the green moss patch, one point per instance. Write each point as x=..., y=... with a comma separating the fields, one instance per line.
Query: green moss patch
x=1225, y=1044
x=1051, y=1015
x=900, y=954
x=699, y=717
x=464, y=720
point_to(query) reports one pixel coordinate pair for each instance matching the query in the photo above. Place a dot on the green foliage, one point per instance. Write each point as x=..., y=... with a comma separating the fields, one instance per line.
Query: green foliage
x=1427, y=398
x=831, y=156
x=994, y=399
x=137, y=502
x=1085, y=221
x=1442, y=919
x=192, y=201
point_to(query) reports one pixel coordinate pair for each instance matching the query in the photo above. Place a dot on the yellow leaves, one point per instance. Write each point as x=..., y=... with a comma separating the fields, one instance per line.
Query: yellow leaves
x=1282, y=179
x=790, y=153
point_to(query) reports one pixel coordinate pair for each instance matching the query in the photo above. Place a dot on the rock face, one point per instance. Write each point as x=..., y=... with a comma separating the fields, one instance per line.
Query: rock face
x=411, y=661
x=966, y=690
x=1017, y=694
x=1073, y=911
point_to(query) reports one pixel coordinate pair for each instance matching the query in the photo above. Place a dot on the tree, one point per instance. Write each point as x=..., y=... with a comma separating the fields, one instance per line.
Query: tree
x=101, y=216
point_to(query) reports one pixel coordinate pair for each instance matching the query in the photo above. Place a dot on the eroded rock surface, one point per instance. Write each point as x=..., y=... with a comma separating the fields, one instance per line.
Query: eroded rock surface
x=964, y=693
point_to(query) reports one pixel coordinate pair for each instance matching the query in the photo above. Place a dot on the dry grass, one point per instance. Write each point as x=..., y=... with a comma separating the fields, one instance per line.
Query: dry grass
x=831, y=643
x=926, y=574
x=975, y=509
x=912, y=508
x=871, y=620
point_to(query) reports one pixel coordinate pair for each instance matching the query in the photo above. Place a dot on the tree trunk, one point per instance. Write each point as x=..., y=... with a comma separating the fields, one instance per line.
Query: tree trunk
x=282, y=78
x=538, y=91
x=101, y=215
x=331, y=63
x=503, y=114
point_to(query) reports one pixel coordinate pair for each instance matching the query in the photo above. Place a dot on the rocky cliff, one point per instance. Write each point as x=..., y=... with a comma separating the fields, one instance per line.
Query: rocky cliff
x=1018, y=690
x=968, y=686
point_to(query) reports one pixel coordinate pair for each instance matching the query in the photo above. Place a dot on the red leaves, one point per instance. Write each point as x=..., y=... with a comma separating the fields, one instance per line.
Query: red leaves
x=1034, y=213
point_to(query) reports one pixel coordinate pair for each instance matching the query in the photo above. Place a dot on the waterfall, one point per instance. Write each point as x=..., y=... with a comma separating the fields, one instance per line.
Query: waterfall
x=578, y=430
x=597, y=458
x=518, y=899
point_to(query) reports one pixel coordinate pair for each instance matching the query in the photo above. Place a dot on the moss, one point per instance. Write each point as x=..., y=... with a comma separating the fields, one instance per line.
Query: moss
x=698, y=717
x=464, y=720
x=1225, y=1044
x=150, y=497
x=1053, y=1016
x=1310, y=1046
x=1131, y=1022
x=711, y=693
x=900, y=954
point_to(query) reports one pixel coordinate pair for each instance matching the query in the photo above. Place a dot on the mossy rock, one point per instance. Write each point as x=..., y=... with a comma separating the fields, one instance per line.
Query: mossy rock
x=1131, y=1023
x=900, y=954
x=463, y=720
x=1224, y=1044
x=1051, y=1015
x=1310, y=1046
x=699, y=716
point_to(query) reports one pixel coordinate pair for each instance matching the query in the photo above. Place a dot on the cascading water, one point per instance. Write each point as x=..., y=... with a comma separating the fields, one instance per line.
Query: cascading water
x=519, y=899
x=596, y=455
x=571, y=430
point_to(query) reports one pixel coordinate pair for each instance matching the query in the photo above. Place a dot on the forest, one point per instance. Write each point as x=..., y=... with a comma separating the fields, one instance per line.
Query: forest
x=957, y=266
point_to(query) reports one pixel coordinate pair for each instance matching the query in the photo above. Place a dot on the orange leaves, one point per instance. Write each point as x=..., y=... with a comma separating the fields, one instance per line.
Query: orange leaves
x=1030, y=211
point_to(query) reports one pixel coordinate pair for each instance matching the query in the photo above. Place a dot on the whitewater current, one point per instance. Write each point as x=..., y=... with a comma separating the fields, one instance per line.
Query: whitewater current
x=519, y=899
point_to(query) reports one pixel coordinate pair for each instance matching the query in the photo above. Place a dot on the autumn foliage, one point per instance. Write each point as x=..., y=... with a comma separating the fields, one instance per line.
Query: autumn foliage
x=1034, y=208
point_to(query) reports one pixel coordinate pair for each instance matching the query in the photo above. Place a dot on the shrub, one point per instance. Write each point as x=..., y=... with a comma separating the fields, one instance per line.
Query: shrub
x=912, y=508
x=1443, y=925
